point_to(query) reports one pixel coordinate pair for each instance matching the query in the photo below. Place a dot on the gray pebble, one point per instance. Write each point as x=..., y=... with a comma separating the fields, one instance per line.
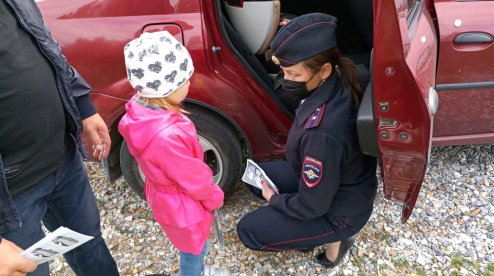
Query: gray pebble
x=491, y=228
x=262, y=259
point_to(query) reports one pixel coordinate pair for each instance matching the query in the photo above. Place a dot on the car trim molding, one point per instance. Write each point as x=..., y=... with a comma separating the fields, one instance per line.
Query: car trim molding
x=465, y=86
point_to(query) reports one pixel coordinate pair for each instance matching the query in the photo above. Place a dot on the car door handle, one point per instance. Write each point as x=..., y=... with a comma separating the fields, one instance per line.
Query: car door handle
x=467, y=38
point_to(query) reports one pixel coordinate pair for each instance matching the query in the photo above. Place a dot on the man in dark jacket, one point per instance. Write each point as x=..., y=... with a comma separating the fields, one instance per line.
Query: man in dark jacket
x=44, y=107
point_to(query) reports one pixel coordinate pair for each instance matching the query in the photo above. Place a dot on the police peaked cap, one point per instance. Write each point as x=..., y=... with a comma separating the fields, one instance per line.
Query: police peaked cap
x=303, y=38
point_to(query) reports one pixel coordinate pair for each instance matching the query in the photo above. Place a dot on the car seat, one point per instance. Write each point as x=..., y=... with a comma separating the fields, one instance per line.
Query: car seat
x=256, y=22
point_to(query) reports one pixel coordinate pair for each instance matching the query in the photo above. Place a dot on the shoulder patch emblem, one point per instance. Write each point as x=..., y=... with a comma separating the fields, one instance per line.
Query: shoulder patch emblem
x=315, y=118
x=311, y=171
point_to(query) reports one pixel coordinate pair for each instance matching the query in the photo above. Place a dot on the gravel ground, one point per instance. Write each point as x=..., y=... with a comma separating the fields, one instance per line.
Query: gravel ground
x=451, y=231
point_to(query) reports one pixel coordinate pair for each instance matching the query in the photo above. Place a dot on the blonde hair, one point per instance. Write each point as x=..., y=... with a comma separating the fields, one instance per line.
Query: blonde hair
x=163, y=102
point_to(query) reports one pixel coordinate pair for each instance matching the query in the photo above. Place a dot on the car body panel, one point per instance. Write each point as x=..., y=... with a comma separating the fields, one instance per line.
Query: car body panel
x=404, y=71
x=465, y=112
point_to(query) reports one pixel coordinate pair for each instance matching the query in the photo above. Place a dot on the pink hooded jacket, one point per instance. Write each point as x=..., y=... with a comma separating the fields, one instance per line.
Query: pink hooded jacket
x=179, y=185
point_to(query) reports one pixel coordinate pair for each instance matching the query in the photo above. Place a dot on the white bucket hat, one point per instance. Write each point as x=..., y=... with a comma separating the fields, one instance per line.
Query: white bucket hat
x=157, y=64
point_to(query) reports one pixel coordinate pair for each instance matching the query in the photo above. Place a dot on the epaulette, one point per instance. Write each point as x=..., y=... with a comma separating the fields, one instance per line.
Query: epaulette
x=315, y=118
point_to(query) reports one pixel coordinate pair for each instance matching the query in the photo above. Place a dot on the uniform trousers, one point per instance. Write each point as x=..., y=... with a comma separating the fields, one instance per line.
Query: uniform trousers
x=268, y=229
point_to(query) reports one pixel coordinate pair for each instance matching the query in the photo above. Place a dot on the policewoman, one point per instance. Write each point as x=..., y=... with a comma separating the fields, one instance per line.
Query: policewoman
x=327, y=185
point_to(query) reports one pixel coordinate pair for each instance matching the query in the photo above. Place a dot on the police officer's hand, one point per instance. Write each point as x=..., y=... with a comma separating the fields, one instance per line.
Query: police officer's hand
x=284, y=22
x=268, y=192
x=11, y=263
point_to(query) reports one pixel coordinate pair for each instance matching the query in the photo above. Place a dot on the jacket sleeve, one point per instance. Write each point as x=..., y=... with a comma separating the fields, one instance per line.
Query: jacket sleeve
x=322, y=156
x=80, y=91
x=215, y=201
x=80, y=88
x=191, y=173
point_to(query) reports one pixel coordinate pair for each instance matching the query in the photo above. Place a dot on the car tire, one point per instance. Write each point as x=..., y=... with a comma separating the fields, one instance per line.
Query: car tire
x=223, y=153
x=130, y=171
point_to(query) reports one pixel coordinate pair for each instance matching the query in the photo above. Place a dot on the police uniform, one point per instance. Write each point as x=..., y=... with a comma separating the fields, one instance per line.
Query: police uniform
x=327, y=185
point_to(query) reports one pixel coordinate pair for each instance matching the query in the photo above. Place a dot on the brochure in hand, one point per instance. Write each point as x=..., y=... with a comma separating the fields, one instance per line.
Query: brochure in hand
x=254, y=175
x=217, y=228
x=55, y=245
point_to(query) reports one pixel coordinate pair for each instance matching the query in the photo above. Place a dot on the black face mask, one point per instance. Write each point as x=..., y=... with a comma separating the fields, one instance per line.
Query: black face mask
x=298, y=89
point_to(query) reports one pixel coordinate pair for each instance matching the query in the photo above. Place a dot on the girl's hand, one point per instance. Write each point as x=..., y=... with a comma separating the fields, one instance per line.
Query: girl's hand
x=268, y=192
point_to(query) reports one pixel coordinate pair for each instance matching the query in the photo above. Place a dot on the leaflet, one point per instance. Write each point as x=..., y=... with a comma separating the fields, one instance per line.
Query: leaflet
x=55, y=245
x=217, y=228
x=253, y=175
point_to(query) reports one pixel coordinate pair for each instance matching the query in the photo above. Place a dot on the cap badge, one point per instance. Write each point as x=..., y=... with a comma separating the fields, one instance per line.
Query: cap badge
x=275, y=60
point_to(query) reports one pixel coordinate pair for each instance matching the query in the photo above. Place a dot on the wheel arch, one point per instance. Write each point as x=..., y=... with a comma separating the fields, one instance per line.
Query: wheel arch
x=245, y=144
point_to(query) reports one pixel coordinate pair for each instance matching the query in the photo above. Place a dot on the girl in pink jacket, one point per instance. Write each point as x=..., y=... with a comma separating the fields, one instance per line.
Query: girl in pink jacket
x=179, y=185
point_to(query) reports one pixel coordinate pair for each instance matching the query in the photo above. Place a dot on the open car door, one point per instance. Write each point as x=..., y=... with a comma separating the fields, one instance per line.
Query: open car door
x=405, y=101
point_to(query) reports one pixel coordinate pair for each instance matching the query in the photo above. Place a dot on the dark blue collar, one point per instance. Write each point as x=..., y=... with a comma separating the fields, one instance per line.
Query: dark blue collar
x=318, y=98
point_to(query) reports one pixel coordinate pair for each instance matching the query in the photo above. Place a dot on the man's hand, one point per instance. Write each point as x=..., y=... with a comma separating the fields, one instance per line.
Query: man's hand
x=97, y=130
x=268, y=192
x=11, y=263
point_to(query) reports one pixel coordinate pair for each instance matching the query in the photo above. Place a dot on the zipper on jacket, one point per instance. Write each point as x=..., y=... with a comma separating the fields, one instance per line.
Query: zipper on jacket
x=54, y=67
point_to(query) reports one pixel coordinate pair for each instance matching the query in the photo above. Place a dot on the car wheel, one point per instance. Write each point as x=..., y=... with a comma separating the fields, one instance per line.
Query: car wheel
x=222, y=153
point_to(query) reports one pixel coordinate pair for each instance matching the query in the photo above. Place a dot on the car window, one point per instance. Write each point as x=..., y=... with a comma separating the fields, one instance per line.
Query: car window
x=411, y=3
x=415, y=8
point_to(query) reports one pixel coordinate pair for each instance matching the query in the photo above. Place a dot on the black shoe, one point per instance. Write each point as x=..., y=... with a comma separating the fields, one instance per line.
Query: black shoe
x=345, y=246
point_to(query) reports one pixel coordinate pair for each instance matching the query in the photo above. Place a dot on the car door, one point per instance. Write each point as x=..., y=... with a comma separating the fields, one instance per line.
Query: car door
x=404, y=67
x=465, y=72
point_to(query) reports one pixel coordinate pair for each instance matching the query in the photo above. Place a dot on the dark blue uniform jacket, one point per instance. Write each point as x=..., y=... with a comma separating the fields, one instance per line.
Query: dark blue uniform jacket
x=335, y=177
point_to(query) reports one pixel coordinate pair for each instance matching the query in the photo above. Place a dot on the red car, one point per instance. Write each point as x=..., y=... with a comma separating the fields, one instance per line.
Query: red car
x=406, y=50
